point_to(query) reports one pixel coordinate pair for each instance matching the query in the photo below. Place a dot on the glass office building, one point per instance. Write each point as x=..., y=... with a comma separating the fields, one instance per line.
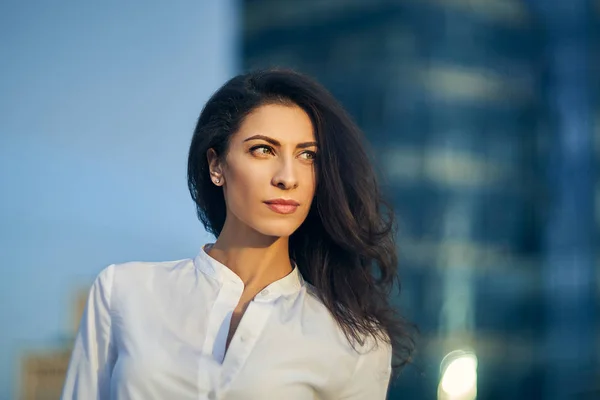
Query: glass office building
x=453, y=97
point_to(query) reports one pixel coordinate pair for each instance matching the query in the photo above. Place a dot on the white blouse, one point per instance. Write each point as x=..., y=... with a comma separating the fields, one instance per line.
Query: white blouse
x=158, y=331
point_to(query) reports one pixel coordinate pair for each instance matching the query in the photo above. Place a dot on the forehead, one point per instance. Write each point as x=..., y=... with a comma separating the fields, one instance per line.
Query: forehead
x=285, y=123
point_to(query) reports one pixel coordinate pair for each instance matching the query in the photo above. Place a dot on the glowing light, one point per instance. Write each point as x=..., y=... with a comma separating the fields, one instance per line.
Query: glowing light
x=459, y=376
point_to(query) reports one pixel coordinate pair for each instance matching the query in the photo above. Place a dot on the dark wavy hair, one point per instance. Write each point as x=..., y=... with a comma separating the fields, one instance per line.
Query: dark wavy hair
x=346, y=246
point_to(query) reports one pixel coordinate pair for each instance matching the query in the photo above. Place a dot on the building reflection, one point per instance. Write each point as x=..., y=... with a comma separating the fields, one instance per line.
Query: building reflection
x=457, y=100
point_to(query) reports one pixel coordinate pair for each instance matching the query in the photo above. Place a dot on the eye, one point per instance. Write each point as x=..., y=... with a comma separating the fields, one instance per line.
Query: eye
x=309, y=155
x=261, y=150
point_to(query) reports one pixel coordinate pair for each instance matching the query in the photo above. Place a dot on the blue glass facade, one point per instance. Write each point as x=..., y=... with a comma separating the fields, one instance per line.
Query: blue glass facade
x=456, y=99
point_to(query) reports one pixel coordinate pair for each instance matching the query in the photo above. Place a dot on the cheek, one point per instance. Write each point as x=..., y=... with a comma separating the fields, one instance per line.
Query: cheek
x=249, y=184
x=244, y=187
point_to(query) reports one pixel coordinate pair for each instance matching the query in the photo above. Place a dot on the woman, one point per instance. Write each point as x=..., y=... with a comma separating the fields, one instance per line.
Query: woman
x=291, y=301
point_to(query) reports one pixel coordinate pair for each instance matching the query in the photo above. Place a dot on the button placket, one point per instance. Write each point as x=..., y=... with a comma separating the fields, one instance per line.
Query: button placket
x=210, y=369
x=227, y=299
x=252, y=324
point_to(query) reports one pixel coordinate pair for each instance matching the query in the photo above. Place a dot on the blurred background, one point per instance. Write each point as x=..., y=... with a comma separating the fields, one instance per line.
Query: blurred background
x=484, y=122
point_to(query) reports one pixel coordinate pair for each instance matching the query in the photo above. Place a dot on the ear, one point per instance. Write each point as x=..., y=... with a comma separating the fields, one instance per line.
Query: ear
x=215, y=168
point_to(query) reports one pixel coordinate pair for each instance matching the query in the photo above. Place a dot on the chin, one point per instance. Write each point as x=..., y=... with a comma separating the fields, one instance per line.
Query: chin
x=276, y=229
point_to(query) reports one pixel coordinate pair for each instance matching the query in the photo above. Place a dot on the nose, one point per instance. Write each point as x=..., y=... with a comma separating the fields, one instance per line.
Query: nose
x=285, y=177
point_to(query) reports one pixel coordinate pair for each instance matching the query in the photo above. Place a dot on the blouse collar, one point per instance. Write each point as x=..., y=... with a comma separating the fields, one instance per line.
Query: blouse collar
x=289, y=284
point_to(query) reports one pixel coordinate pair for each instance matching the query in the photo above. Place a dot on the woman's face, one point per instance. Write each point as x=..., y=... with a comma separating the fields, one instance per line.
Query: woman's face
x=269, y=176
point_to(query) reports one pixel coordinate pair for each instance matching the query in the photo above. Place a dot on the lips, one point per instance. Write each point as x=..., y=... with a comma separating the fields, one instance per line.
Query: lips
x=282, y=206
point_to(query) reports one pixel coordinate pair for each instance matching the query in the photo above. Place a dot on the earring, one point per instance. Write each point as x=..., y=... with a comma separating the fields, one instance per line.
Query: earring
x=217, y=180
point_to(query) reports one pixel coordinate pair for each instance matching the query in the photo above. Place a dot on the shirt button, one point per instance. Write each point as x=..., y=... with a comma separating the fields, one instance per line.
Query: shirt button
x=212, y=395
x=264, y=292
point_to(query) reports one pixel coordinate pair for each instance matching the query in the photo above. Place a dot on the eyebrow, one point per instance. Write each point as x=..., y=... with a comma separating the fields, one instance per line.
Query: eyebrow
x=276, y=143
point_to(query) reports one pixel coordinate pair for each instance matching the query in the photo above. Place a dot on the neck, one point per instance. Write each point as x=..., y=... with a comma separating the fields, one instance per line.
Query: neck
x=257, y=259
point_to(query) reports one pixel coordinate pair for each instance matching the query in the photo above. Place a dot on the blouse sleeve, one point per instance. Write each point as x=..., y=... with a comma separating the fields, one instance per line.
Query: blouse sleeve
x=93, y=356
x=371, y=376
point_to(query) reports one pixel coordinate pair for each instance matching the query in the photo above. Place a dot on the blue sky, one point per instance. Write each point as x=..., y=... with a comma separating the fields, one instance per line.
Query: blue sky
x=97, y=106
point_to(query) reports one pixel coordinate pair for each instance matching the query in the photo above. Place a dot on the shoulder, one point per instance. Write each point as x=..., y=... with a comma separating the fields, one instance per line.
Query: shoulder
x=372, y=371
x=360, y=366
x=145, y=269
x=316, y=315
x=376, y=355
x=135, y=276
x=318, y=318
